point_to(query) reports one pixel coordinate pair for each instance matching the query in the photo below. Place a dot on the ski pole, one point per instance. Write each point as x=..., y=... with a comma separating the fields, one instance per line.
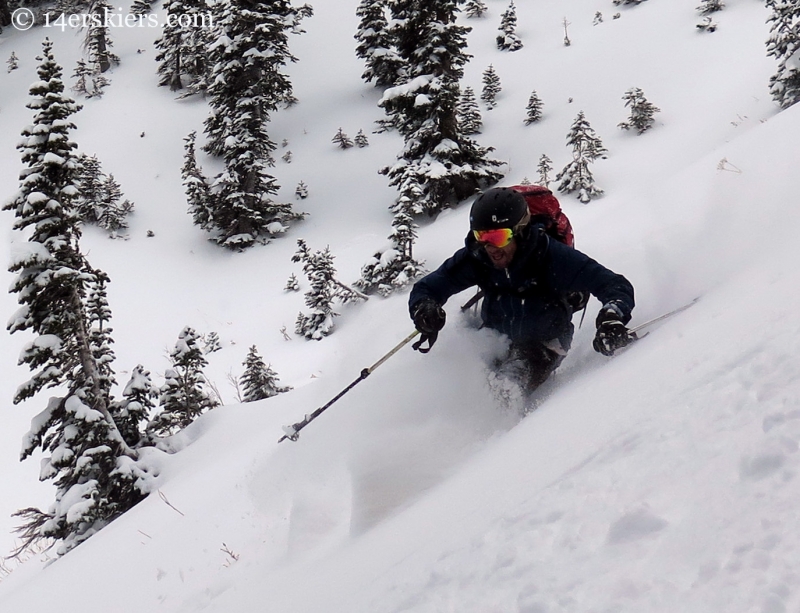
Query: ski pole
x=293, y=432
x=664, y=316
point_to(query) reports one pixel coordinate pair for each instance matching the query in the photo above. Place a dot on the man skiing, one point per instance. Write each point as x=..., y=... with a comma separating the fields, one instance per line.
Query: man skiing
x=527, y=279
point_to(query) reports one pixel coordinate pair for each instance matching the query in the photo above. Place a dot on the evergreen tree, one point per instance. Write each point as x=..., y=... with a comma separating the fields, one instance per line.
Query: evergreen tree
x=475, y=8
x=184, y=395
x=12, y=61
x=586, y=148
x=784, y=45
x=63, y=303
x=439, y=166
x=618, y=2
x=247, y=84
x=292, y=284
x=710, y=6
x=491, y=87
x=89, y=180
x=508, y=39
x=212, y=343
x=361, y=140
x=341, y=139
x=394, y=267
x=5, y=15
x=259, y=381
x=196, y=186
x=113, y=210
x=534, y=109
x=319, y=269
x=141, y=7
x=545, y=167
x=98, y=41
x=133, y=412
x=469, y=114
x=183, y=51
x=82, y=71
x=642, y=111
x=376, y=44
x=301, y=191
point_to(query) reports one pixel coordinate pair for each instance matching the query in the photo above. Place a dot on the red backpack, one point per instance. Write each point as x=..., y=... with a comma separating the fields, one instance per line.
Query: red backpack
x=546, y=210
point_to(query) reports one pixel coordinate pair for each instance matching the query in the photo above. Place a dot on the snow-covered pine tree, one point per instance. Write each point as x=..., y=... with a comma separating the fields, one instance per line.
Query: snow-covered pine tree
x=259, y=381
x=5, y=15
x=245, y=86
x=642, y=111
x=361, y=139
x=114, y=210
x=469, y=114
x=95, y=471
x=508, y=40
x=184, y=395
x=376, y=44
x=439, y=166
x=141, y=7
x=89, y=180
x=342, y=140
x=195, y=185
x=784, y=45
x=81, y=73
x=586, y=148
x=183, y=51
x=475, y=8
x=491, y=87
x=301, y=191
x=321, y=274
x=534, y=109
x=212, y=343
x=12, y=61
x=133, y=412
x=710, y=6
x=292, y=284
x=97, y=42
x=545, y=167
x=395, y=267
x=618, y=2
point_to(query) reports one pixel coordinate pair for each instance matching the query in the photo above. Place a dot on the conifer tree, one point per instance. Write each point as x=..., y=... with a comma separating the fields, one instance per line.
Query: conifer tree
x=394, y=267
x=376, y=44
x=133, y=412
x=259, y=381
x=82, y=71
x=292, y=284
x=491, y=87
x=361, y=140
x=475, y=8
x=90, y=184
x=13, y=62
x=184, y=395
x=508, y=39
x=141, y=7
x=196, y=185
x=63, y=303
x=439, y=166
x=341, y=139
x=469, y=114
x=319, y=269
x=183, y=51
x=545, y=167
x=784, y=45
x=246, y=85
x=98, y=41
x=114, y=210
x=586, y=148
x=5, y=15
x=301, y=191
x=642, y=111
x=534, y=109
x=710, y=6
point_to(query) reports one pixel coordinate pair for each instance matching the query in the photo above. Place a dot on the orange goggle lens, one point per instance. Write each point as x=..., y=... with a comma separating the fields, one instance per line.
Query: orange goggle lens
x=499, y=237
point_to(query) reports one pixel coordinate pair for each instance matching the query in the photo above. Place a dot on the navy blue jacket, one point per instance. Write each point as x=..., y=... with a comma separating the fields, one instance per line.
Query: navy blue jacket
x=527, y=300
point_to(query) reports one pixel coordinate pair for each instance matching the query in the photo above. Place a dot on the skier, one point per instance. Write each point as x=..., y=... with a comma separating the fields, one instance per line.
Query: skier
x=527, y=278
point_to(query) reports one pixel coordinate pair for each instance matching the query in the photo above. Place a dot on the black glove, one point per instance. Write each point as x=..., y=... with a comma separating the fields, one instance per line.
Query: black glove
x=611, y=331
x=428, y=318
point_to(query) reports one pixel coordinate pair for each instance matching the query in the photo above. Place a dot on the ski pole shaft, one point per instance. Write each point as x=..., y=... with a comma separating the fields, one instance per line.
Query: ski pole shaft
x=664, y=316
x=293, y=431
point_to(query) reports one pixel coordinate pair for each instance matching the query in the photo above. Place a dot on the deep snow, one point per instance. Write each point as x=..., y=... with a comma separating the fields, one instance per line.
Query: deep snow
x=661, y=480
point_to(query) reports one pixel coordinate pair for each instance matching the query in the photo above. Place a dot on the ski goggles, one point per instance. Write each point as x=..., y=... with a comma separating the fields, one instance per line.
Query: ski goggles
x=498, y=237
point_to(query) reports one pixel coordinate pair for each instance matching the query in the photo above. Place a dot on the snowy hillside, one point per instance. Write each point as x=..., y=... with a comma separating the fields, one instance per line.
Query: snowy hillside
x=663, y=479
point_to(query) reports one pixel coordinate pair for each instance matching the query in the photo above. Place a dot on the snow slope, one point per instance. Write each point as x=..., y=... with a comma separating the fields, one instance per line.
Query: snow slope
x=661, y=480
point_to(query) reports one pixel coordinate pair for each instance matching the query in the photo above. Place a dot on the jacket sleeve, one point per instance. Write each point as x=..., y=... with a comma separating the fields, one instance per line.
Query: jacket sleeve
x=456, y=274
x=573, y=271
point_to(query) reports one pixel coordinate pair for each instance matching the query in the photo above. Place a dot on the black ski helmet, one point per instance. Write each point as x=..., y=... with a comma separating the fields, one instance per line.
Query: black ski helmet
x=499, y=207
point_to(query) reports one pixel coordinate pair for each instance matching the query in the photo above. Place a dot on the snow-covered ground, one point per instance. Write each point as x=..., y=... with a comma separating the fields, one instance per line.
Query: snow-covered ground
x=664, y=479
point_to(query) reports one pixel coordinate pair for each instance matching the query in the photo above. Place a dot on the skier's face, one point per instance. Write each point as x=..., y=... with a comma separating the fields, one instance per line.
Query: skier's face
x=501, y=256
